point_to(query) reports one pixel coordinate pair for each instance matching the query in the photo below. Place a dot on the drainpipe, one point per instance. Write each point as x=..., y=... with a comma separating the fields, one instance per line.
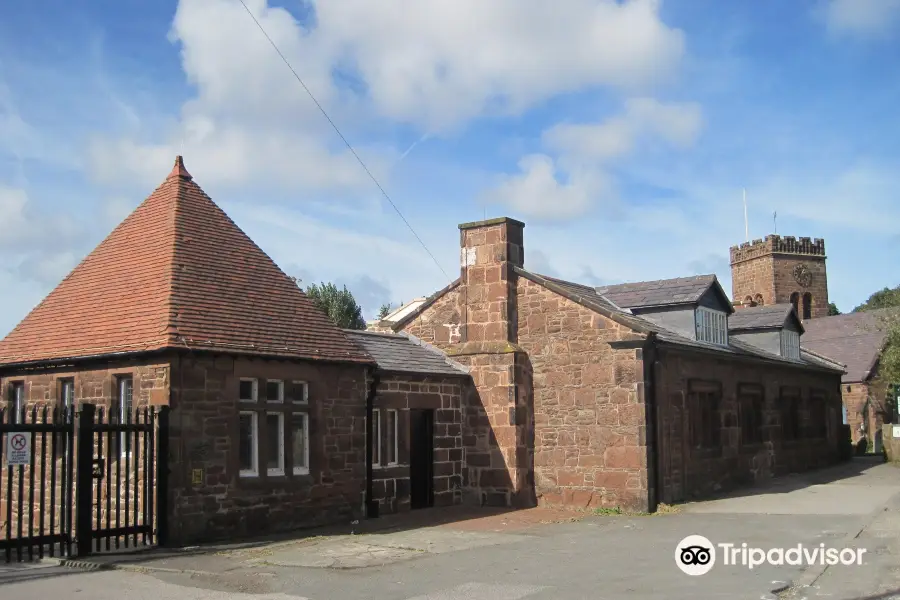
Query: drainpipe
x=371, y=503
x=654, y=477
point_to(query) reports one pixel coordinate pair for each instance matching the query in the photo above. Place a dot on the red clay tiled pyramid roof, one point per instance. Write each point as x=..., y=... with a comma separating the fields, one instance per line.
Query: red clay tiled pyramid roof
x=177, y=272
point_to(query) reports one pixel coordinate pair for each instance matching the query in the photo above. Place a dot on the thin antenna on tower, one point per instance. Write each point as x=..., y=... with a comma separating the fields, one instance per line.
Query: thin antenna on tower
x=775, y=221
x=746, y=223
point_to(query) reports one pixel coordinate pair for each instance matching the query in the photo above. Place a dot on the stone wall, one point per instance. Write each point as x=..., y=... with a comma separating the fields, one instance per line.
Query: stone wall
x=766, y=268
x=209, y=500
x=94, y=383
x=440, y=324
x=590, y=424
x=687, y=472
x=786, y=284
x=391, y=484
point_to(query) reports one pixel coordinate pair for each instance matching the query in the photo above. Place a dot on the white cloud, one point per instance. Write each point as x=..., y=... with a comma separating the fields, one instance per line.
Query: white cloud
x=440, y=62
x=433, y=63
x=537, y=192
x=864, y=18
x=578, y=177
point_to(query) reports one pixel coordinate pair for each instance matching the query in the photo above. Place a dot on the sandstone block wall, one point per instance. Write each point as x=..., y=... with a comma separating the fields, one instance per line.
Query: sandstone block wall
x=687, y=472
x=590, y=423
x=204, y=439
x=766, y=268
x=391, y=484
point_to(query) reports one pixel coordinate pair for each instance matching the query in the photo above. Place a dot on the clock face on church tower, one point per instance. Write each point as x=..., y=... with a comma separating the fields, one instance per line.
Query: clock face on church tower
x=802, y=275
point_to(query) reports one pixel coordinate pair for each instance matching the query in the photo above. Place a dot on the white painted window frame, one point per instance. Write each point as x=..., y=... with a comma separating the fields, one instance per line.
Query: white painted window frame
x=254, y=443
x=279, y=470
x=255, y=393
x=124, y=416
x=305, y=398
x=17, y=392
x=304, y=468
x=67, y=394
x=711, y=326
x=280, y=399
x=376, y=435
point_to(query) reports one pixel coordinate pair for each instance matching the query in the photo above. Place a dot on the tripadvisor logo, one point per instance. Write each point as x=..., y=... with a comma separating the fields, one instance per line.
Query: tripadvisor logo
x=696, y=555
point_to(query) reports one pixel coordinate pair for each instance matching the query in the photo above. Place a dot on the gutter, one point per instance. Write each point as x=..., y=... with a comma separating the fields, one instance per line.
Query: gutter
x=371, y=504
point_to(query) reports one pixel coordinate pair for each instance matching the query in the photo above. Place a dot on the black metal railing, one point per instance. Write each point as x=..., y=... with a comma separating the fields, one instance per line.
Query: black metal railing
x=97, y=465
x=35, y=525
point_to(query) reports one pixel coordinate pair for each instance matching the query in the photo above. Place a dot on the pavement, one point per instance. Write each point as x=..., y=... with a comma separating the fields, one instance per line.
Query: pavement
x=535, y=554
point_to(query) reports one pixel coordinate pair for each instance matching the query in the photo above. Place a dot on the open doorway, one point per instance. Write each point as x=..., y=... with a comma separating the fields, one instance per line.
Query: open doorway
x=421, y=458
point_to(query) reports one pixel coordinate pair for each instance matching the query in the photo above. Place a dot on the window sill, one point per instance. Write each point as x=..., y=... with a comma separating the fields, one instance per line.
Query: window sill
x=390, y=471
x=248, y=475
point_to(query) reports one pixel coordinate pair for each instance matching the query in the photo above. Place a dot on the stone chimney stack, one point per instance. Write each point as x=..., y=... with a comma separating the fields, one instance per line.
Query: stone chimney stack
x=488, y=252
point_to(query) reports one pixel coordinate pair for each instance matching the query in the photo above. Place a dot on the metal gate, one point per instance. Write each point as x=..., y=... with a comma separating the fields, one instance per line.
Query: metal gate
x=89, y=483
x=36, y=500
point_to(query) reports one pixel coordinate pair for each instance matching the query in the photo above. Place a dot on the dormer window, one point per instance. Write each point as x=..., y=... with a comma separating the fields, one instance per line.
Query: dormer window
x=790, y=344
x=712, y=326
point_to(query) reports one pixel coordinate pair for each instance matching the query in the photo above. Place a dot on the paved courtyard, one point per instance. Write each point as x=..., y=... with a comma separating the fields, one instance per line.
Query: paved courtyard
x=534, y=555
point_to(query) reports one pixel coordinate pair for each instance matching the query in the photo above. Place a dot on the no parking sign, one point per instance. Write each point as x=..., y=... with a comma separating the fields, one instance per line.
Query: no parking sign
x=18, y=448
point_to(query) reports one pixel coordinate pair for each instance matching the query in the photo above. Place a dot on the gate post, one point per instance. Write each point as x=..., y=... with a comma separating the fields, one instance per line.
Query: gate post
x=84, y=484
x=162, y=478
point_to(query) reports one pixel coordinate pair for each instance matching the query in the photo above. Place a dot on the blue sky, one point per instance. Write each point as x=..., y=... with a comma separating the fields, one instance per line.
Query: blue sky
x=621, y=133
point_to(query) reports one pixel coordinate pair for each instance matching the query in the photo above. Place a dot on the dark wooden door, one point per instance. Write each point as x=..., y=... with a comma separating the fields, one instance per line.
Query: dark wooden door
x=421, y=458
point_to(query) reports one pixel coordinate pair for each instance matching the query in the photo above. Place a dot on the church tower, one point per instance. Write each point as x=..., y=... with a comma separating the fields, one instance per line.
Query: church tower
x=778, y=270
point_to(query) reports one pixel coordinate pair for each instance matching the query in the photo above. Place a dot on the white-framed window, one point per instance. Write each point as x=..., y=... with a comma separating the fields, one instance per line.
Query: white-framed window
x=300, y=443
x=248, y=389
x=376, y=438
x=124, y=400
x=274, y=390
x=390, y=428
x=275, y=444
x=17, y=401
x=248, y=448
x=790, y=343
x=711, y=326
x=299, y=392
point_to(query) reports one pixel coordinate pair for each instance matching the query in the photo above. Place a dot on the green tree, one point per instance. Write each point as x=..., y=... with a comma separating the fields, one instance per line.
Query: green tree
x=384, y=311
x=886, y=298
x=338, y=304
x=833, y=309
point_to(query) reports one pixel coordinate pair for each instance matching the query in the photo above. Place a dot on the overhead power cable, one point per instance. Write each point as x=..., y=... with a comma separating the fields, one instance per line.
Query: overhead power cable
x=344, y=139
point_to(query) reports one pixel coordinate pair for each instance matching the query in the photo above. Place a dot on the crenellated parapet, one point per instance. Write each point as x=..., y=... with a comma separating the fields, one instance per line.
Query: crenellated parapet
x=776, y=244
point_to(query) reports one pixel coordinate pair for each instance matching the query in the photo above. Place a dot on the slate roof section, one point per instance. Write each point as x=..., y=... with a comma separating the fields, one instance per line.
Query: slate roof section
x=590, y=298
x=177, y=273
x=771, y=316
x=663, y=292
x=855, y=339
x=404, y=353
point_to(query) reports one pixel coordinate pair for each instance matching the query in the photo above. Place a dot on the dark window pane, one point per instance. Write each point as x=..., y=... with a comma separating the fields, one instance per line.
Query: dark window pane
x=246, y=442
x=376, y=437
x=391, y=431
x=299, y=441
x=274, y=433
x=246, y=389
x=274, y=391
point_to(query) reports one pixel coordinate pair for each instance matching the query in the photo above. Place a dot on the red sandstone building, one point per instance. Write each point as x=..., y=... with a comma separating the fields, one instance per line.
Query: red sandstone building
x=505, y=388
x=627, y=395
x=789, y=270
